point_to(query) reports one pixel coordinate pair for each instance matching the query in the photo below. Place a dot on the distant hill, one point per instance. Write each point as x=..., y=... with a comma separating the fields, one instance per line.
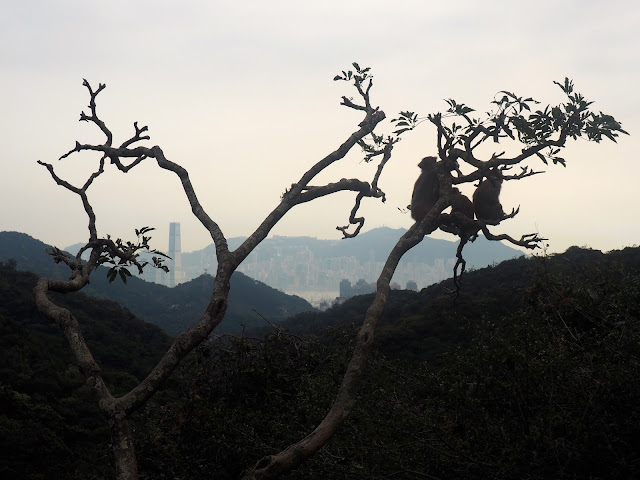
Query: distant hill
x=306, y=263
x=172, y=309
x=119, y=340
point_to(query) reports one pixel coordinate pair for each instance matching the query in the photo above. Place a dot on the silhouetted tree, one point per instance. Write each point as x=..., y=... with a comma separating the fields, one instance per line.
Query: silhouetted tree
x=541, y=133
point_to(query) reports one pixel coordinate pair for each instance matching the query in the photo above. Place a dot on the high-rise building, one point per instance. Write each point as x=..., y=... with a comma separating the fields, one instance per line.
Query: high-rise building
x=175, y=264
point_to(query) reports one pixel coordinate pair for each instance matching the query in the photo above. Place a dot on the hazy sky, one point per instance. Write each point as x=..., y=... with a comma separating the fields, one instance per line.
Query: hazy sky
x=241, y=94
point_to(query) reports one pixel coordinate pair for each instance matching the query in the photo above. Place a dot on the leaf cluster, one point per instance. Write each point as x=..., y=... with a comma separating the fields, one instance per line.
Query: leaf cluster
x=360, y=74
x=125, y=254
x=515, y=117
x=405, y=122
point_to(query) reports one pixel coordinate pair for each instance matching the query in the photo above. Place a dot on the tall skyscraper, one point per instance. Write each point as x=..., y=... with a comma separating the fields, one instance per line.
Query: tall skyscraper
x=175, y=265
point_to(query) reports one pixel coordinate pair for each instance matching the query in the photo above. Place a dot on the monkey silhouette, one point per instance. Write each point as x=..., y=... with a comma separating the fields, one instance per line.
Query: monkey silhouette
x=486, y=198
x=461, y=203
x=426, y=189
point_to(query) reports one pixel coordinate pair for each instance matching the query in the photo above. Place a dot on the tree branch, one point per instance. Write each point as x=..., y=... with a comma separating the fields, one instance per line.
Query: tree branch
x=374, y=192
x=291, y=197
x=350, y=184
x=273, y=466
x=528, y=240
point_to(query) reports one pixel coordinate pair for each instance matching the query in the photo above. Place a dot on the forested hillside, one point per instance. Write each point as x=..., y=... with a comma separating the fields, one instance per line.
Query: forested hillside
x=423, y=324
x=48, y=422
x=172, y=309
x=532, y=372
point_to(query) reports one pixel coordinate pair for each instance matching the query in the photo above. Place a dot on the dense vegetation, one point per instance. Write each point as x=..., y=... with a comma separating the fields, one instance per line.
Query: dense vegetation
x=49, y=425
x=533, y=372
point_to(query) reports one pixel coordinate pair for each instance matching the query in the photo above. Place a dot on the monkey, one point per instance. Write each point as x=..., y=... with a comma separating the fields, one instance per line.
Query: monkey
x=486, y=201
x=461, y=203
x=426, y=191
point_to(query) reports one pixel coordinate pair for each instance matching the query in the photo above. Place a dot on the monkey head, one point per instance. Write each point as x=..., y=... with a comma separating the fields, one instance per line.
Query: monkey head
x=428, y=163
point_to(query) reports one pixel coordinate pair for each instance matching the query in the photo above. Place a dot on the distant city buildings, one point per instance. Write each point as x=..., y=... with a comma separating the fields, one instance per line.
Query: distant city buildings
x=175, y=252
x=361, y=287
x=299, y=269
x=318, y=270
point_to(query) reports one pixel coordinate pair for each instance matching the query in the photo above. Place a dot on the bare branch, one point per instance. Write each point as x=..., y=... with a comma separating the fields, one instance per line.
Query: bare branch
x=137, y=137
x=353, y=220
x=291, y=197
x=92, y=107
x=374, y=192
x=459, y=267
x=351, y=184
x=386, y=156
x=82, y=192
x=184, y=344
x=529, y=240
x=348, y=103
x=526, y=171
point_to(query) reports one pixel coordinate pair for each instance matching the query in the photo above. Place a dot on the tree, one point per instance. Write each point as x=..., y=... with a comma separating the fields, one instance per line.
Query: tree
x=543, y=133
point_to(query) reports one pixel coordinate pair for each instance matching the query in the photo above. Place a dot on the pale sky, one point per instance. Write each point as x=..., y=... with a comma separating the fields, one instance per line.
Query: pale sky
x=241, y=94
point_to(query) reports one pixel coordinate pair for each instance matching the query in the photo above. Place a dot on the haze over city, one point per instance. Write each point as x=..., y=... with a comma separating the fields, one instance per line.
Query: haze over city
x=241, y=94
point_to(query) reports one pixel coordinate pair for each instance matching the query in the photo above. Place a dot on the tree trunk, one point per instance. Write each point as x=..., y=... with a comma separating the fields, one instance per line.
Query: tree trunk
x=122, y=446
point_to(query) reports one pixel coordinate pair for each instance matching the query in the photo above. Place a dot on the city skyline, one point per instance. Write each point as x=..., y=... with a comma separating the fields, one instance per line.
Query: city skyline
x=314, y=269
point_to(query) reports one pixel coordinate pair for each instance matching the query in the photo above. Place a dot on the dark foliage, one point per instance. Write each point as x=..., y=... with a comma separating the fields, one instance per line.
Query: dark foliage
x=50, y=427
x=547, y=389
x=532, y=373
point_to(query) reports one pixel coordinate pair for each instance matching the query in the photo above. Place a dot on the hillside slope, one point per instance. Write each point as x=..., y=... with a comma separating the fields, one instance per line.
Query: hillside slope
x=422, y=325
x=172, y=309
x=46, y=408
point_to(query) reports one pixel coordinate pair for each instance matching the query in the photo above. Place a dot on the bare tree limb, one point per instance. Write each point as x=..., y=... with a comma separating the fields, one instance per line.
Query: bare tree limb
x=118, y=409
x=291, y=197
x=528, y=240
x=273, y=466
x=350, y=184
x=374, y=192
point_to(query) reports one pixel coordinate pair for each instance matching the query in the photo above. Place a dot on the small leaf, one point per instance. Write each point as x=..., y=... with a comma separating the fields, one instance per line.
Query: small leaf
x=111, y=274
x=544, y=160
